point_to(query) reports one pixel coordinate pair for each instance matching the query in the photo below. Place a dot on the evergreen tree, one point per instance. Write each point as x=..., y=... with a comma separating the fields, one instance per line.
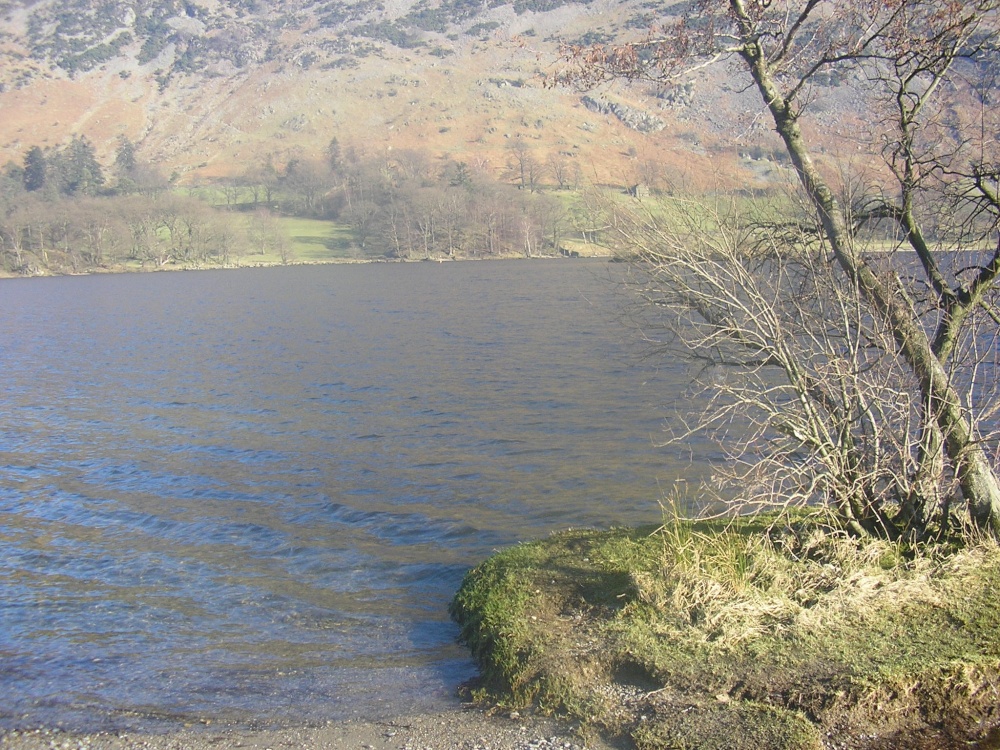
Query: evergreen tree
x=81, y=172
x=125, y=158
x=333, y=157
x=35, y=169
x=126, y=165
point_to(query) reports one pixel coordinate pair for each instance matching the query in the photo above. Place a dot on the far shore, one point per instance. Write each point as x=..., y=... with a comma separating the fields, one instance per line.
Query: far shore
x=169, y=267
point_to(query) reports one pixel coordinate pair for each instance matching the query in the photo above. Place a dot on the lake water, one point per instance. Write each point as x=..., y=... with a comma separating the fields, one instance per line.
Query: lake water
x=249, y=495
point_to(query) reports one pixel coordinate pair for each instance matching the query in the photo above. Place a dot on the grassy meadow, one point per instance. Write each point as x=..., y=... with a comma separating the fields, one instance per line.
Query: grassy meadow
x=316, y=240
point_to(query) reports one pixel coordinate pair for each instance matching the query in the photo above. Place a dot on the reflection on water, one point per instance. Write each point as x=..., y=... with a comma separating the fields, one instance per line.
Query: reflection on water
x=251, y=494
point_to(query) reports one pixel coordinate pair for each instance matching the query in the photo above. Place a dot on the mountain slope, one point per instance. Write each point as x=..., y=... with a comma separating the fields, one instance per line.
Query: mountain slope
x=208, y=88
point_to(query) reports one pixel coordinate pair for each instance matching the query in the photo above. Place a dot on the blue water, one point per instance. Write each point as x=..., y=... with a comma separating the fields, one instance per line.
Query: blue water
x=249, y=495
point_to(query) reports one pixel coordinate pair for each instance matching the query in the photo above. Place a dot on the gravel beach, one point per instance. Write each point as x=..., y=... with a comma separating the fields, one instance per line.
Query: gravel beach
x=458, y=729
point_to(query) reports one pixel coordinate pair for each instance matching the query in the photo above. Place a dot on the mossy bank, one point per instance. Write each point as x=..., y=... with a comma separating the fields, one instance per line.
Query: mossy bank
x=743, y=634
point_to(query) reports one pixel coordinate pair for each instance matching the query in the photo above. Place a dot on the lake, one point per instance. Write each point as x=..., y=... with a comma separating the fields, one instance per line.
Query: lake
x=249, y=495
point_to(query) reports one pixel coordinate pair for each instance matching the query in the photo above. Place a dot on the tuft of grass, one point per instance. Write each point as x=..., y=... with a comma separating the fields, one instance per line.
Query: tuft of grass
x=778, y=630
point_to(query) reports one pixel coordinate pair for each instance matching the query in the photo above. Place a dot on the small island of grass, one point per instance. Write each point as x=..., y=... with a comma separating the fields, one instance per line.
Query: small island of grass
x=758, y=632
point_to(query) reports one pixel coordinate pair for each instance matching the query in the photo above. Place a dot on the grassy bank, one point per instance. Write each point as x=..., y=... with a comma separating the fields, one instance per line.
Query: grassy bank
x=754, y=634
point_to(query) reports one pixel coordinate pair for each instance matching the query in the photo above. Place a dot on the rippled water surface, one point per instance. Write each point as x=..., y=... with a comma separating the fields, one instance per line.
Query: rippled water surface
x=249, y=495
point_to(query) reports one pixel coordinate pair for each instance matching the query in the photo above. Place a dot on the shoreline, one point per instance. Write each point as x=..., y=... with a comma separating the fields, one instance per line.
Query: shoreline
x=462, y=728
x=170, y=268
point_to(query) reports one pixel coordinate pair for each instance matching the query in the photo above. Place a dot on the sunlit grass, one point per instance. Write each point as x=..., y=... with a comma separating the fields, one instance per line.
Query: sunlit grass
x=759, y=632
x=317, y=240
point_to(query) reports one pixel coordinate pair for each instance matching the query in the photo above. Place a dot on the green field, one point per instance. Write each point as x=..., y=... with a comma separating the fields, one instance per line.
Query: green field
x=315, y=240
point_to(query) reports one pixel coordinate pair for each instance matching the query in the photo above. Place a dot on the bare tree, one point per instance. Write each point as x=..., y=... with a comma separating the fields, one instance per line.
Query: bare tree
x=23, y=228
x=564, y=170
x=523, y=166
x=265, y=235
x=454, y=218
x=232, y=190
x=552, y=218
x=921, y=61
x=306, y=182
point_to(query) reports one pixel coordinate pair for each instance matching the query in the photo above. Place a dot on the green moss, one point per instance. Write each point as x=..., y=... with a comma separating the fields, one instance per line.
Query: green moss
x=491, y=607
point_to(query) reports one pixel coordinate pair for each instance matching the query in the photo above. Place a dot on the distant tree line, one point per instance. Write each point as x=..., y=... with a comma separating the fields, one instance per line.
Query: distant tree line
x=406, y=204
x=61, y=210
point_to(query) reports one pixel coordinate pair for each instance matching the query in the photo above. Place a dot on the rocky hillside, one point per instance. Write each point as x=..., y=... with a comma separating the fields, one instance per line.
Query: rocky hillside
x=208, y=88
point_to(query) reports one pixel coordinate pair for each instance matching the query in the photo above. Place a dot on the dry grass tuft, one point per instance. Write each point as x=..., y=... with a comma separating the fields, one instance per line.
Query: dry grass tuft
x=733, y=587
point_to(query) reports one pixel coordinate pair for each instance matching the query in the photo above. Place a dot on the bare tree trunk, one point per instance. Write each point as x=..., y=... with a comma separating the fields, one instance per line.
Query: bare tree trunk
x=976, y=476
